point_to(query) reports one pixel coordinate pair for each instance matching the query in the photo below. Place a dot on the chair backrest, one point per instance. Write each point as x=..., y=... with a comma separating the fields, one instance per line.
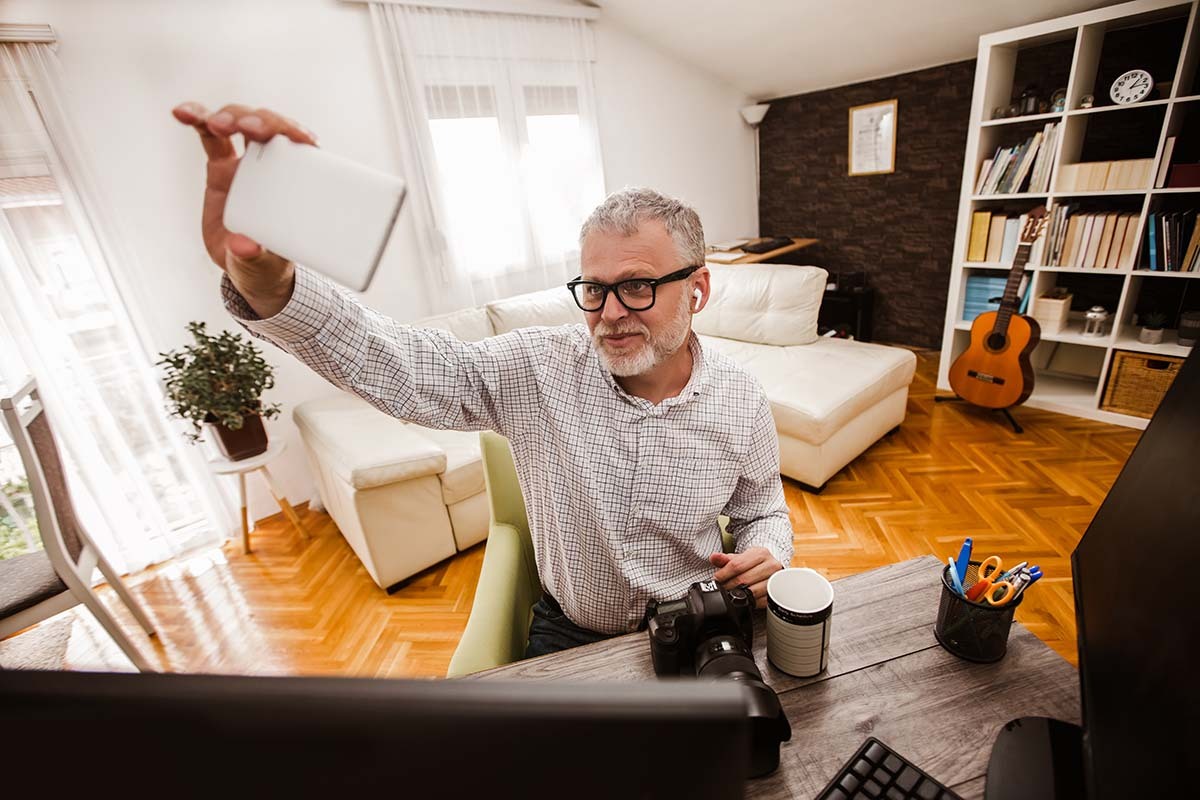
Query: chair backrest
x=29, y=427
x=505, y=502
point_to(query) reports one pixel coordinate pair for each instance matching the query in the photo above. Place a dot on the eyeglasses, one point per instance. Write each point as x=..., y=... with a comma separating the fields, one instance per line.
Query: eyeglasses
x=636, y=294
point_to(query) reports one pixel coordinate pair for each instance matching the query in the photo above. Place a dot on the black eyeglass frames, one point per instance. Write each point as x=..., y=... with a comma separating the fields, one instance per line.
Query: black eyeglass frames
x=636, y=294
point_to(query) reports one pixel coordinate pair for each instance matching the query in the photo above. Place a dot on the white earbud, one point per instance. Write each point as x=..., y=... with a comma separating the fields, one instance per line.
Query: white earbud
x=699, y=296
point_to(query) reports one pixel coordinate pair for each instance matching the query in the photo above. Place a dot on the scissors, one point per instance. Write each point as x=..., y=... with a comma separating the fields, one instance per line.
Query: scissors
x=990, y=587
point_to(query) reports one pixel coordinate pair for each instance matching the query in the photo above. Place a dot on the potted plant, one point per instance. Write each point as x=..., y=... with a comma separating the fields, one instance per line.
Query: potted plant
x=219, y=381
x=1152, y=327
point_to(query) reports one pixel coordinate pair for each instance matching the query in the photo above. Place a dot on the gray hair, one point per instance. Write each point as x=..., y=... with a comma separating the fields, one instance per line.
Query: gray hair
x=624, y=211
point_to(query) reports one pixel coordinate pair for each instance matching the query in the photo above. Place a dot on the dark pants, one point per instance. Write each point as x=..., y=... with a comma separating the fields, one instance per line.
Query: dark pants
x=551, y=631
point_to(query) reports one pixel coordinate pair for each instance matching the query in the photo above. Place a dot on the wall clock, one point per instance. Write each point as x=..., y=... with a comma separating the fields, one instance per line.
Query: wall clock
x=1132, y=87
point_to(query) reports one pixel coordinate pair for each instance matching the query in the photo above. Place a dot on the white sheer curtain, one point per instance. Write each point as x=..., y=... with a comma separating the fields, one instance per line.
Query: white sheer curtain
x=496, y=116
x=68, y=319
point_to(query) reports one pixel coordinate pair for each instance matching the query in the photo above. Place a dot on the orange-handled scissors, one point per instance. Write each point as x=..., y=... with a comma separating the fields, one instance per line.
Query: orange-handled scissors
x=988, y=587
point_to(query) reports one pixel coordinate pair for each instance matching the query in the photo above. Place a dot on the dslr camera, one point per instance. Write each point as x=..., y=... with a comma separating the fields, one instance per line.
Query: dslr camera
x=709, y=633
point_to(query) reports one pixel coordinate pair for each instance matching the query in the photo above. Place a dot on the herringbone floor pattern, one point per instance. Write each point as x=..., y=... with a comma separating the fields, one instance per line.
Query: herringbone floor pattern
x=296, y=607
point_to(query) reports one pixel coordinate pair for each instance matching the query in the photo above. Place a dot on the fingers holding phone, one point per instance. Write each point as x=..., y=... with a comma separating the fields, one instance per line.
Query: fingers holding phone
x=253, y=269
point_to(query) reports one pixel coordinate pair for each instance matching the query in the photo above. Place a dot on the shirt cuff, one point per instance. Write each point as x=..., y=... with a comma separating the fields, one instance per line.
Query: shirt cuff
x=778, y=542
x=313, y=302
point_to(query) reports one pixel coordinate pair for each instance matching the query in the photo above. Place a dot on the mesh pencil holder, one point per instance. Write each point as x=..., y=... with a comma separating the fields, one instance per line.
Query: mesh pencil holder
x=974, y=631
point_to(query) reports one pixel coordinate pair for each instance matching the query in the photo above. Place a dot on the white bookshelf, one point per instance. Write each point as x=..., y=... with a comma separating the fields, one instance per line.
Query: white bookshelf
x=994, y=86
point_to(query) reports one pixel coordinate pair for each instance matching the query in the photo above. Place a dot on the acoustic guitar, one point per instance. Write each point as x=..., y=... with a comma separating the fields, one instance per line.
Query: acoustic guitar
x=995, y=372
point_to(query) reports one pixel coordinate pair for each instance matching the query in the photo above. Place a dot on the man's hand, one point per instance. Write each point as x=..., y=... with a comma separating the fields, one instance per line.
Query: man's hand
x=262, y=277
x=752, y=568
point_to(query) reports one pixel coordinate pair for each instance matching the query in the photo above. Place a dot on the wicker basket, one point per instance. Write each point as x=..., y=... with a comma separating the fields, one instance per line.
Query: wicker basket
x=1138, y=381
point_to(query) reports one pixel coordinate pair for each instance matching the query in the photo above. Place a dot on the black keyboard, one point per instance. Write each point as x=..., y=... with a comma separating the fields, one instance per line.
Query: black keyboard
x=878, y=771
x=766, y=245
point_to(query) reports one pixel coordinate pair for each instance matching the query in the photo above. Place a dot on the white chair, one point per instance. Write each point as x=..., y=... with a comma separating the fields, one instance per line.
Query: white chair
x=38, y=585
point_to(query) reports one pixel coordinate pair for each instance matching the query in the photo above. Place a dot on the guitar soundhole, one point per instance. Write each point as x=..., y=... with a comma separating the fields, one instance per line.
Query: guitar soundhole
x=996, y=341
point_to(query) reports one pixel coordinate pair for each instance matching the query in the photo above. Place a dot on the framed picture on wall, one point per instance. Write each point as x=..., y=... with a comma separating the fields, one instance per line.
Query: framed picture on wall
x=873, y=138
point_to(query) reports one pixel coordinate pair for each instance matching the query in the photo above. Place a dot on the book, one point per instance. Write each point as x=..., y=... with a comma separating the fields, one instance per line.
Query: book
x=1068, y=177
x=983, y=175
x=1046, y=157
x=1012, y=234
x=1026, y=162
x=1129, y=246
x=1106, y=237
x=983, y=293
x=1189, y=256
x=1085, y=238
x=1165, y=163
x=1113, y=258
x=980, y=224
x=1153, y=245
x=1093, y=245
x=998, y=170
x=1070, y=241
x=995, y=239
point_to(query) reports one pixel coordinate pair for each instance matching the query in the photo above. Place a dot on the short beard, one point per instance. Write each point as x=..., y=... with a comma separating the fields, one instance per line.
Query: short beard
x=655, y=349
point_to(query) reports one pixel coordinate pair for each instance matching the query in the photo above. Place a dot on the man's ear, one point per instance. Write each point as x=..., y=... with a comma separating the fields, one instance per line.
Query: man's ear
x=700, y=287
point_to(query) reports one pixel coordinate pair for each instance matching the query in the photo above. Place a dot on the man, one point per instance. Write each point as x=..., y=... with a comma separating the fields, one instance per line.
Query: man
x=629, y=438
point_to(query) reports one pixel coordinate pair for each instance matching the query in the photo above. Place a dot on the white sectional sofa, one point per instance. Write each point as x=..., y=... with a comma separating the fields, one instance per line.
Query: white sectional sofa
x=406, y=497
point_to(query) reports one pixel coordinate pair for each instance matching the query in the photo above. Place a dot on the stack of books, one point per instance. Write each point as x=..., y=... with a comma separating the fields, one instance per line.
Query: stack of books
x=1172, y=242
x=984, y=293
x=1098, y=240
x=1007, y=170
x=994, y=238
x=1098, y=176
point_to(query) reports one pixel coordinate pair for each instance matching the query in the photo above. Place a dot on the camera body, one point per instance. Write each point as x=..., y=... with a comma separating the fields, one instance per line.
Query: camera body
x=709, y=633
x=707, y=615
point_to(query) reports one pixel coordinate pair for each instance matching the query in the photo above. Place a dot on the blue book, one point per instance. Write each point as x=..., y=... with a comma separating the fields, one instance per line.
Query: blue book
x=1153, y=246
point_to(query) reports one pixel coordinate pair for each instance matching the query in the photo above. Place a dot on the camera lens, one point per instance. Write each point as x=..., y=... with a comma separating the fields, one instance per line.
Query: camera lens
x=724, y=655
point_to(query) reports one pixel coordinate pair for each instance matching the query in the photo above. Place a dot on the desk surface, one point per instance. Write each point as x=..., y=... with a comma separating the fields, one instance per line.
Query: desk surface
x=756, y=258
x=887, y=677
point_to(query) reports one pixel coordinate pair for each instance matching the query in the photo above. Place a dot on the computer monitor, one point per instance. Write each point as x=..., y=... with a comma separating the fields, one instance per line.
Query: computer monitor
x=213, y=737
x=1137, y=609
x=1137, y=614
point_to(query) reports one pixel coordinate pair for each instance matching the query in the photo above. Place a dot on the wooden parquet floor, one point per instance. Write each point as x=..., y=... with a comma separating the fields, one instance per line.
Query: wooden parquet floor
x=297, y=607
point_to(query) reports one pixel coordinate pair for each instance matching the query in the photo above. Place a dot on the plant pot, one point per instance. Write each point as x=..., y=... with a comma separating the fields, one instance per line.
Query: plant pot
x=1150, y=335
x=245, y=442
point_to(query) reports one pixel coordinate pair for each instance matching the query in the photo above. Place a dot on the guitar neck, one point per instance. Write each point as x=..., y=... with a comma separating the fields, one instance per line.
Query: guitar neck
x=1010, y=302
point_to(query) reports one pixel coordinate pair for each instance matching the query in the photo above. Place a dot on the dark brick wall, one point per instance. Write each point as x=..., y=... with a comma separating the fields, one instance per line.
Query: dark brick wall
x=899, y=227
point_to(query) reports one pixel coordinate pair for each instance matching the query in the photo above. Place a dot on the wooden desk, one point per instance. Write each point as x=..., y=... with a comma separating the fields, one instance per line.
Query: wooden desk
x=755, y=258
x=887, y=677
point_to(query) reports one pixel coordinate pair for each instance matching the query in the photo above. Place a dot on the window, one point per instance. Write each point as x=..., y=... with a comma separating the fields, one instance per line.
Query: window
x=517, y=170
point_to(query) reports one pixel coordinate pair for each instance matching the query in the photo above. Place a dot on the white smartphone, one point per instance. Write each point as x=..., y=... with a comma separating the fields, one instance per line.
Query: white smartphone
x=315, y=208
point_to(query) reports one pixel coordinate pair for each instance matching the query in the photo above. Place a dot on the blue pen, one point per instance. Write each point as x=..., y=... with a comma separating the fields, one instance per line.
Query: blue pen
x=1033, y=574
x=954, y=581
x=1010, y=573
x=964, y=557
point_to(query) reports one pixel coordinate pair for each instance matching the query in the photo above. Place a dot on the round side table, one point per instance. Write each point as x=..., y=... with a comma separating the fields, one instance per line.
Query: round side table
x=223, y=466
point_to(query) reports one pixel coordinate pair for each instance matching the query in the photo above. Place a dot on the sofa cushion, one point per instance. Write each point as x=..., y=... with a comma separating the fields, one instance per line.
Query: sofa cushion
x=363, y=446
x=463, y=476
x=548, y=307
x=468, y=324
x=771, y=304
x=815, y=389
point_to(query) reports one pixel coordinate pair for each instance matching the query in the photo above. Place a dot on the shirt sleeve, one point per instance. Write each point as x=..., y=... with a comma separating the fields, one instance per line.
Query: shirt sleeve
x=757, y=511
x=421, y=375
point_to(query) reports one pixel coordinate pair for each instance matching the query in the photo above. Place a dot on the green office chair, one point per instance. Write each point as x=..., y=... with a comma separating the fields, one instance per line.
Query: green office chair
x=498, y=628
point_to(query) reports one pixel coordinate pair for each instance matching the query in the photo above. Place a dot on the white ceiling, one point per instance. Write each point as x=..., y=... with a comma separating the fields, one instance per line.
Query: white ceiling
x=776, y=48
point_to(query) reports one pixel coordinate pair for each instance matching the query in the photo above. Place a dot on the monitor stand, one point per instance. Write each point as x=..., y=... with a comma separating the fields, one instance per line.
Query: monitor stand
x=1036, y=758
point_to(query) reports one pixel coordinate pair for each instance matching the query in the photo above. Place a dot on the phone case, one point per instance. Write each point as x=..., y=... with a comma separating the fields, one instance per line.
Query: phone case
x=314, y=208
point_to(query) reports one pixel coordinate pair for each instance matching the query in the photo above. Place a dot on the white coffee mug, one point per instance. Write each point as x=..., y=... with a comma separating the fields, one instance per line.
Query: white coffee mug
x=799, y=616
